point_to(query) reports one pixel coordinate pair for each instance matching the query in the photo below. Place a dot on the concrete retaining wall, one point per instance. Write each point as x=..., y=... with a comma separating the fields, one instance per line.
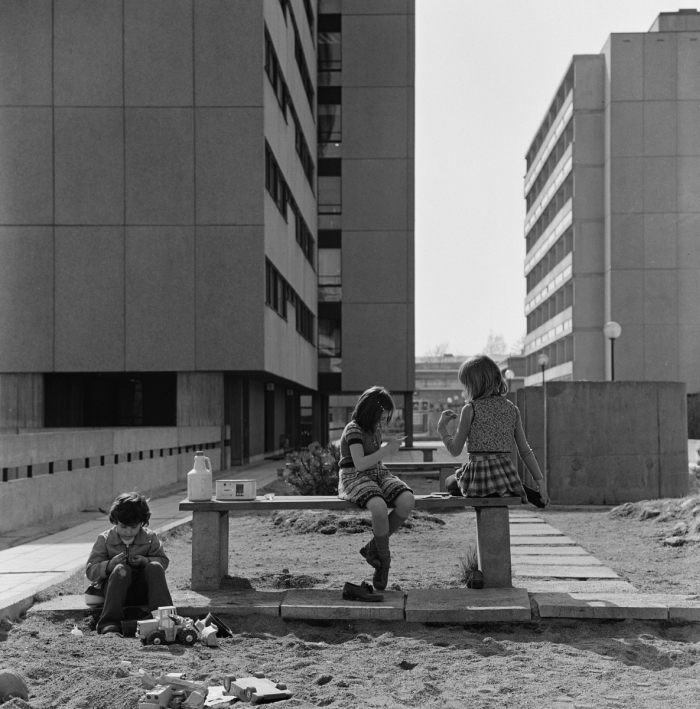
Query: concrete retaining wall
x=104, y=462
x=610, y=442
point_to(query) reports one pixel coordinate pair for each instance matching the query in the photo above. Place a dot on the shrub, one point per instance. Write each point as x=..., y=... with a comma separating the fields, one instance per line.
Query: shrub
x=314, y=471
x=469, y=562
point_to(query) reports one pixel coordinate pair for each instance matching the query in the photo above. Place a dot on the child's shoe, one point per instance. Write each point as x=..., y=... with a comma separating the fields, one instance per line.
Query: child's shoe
x=363, y=592
x=370, y=553
x=381, y=577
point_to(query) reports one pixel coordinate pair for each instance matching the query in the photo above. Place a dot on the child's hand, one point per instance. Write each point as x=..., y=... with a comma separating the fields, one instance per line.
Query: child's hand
x=393, y=444
x=138, y=560
x=118, y=559
x=446, y=416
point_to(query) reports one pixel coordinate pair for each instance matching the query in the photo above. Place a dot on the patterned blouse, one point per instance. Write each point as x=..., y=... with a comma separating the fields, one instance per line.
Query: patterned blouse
x=493, y=425
x=353, y=433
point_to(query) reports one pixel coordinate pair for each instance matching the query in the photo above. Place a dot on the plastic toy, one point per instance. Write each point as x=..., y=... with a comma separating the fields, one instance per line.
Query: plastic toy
x=167, y=626
x=12, y=684
x=173, y=691
x=207, y=633
x=256, y=689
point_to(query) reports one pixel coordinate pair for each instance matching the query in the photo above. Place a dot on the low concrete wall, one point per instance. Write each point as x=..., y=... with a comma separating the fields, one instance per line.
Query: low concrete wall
x=610, y=442
x=144, y=459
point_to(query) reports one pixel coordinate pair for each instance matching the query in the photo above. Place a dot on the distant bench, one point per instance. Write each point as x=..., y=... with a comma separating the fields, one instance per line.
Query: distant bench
x=426, y=469
x=210, y=530
x=427, y=451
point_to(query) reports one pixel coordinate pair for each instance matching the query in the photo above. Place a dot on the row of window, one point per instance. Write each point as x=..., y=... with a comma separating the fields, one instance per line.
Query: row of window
x=555, y=304
x=556, y=254
x=279, y=86
x=329, y=43
x=298, y=48
x=555, y=156
x=282, y=196
x=278, y=293
x=308, y=8
x=562, y=196
x=552, y=114
x=558, y=352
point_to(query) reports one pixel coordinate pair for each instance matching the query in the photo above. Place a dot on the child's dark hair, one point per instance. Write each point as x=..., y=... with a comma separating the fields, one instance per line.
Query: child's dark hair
x=370, y=406
x=481, y=377
x=130, y=508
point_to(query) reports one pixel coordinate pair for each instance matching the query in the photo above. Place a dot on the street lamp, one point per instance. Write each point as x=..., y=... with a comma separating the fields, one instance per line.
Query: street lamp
x=543, y=361
x=509, y=374
x=612, y=331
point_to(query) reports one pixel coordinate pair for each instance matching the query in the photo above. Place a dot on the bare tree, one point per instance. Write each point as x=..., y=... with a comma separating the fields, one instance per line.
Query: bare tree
x=495, y=344
x=439, y=350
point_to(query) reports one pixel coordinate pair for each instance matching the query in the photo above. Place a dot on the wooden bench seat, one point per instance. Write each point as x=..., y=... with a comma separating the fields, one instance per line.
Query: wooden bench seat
x=210, y=531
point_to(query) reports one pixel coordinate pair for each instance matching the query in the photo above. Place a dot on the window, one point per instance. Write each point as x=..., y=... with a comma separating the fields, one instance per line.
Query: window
x=329, y=46
x=302, y=148
x=278, y=293
x=303, y=66
x=329, y=277
x=329, y=338
x=275, y=182
x=309, y=15
x=274, y=74
x=302, y=232
x=329, y=186
x=329, y=114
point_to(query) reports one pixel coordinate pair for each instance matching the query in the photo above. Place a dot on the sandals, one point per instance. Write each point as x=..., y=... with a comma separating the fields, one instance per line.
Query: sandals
x=370, y=553
x=364, y=592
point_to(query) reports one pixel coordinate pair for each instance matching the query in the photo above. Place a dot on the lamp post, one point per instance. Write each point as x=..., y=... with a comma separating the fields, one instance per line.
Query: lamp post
x=509, y=374
x=543, y=361
x=612, y=331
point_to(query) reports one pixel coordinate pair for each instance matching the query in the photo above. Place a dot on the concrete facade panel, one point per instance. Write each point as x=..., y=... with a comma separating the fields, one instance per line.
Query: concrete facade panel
x=287, y=353
x=626, y=185
x=375, y=195
x=229, y=310
x=26, y=157
x=375, y=123
x=89, y=165
x=25, y=53
x=688, y=63
x=375, y=50
x=629, y=352
x=660, y=134
x=159, y=166
x=590, y=138
x=158, y=66
x=627, y=296
x=627, y=70
x=689, y=296
x=230, y=160
x=88, y=54
x=160, y=327
x=589, y=82
x=626, y=128
x=26, y=296
x=374, y=346
x=660, y=61
x=688, y=226
x=89, y=299
x=380, y=279
x=661, y=353
x=589, y=354
x=589, y=247
x=688, y=348
x=660, y=192
x=589, y=301
x=689, y=184
x=228, y=73
x=688, y=128
x=660, y=296
x=626, y=241
x=589, y=183
x=660, y=240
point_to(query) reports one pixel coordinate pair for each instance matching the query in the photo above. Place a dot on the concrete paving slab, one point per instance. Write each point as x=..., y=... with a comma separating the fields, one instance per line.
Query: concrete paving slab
x=516, y=519
x=540, y=550
x=312, y=604
x=550, y=585
x=600, y=606
x=572, y=572
x=534, y=530
x=466, y=605
x=544, y=560
x=529, y=540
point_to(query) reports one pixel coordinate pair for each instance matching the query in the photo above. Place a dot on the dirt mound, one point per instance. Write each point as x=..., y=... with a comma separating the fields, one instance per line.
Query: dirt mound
x=285, y=580
x=685, y=512
x=320, y=522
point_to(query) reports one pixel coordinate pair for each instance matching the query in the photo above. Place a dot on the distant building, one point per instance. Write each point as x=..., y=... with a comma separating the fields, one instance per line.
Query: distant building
x=612, y=229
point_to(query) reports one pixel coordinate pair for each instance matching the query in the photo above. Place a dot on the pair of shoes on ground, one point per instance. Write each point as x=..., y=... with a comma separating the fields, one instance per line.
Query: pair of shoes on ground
x=475, y=580
x=363, y=592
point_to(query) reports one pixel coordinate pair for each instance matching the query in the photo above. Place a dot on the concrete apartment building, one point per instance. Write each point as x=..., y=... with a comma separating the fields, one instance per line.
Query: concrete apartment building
x=613, y=212
x=178, y=252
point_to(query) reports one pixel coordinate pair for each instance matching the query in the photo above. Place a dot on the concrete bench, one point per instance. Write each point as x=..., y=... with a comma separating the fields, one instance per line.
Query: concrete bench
x=427, y=451
x=210, y=531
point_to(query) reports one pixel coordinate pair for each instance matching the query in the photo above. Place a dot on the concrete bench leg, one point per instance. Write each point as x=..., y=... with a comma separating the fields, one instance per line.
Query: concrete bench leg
x=427, y=456
x=209, y=549
x=493, y=544
x=444, y=474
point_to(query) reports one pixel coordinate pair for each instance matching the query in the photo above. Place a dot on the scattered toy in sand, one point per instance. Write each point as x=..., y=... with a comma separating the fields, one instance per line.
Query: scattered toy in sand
x=256, y=689
x=12, y=684
x=167, y=626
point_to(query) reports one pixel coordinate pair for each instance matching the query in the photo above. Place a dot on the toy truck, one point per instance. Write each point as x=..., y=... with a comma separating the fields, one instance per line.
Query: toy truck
x=167, y=626
x=256, y=689
x=173, y=691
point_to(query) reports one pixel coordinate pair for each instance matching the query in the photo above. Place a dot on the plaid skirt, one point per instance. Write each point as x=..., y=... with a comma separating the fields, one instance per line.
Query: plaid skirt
x=358, y=486
x=487, y=474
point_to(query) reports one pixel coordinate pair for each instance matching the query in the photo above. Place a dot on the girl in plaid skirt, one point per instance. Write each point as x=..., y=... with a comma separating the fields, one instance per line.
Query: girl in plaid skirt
x=488, y=423
x=364, y=480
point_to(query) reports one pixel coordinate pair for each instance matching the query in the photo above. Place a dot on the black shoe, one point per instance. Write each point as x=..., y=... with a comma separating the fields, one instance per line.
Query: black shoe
x=475, y=580
x=381, y=577
x=370, y=553
x=364, y=592
x=111, y=628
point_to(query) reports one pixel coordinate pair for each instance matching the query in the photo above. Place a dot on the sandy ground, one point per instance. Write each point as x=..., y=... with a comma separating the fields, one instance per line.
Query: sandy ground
x=347, y=665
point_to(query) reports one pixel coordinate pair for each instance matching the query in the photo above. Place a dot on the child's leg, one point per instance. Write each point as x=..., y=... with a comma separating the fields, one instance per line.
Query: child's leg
x=149, y=587
x=403, y=505
x=380, y=526
x=115, y=588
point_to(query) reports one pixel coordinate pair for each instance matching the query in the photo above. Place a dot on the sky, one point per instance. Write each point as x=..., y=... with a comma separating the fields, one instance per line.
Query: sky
x=486, y=73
